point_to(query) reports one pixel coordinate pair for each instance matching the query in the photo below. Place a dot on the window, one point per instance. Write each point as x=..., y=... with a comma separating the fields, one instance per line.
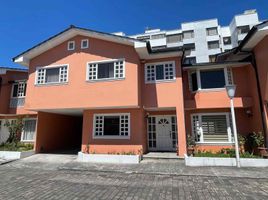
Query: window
x=210, y=78
x=114, y=69
x=188, y=34
x=50, y=75
x=213, y=45
x=158, y=36
x=190, y=47
x=212, y=31
x=112, y=125
x=212, y=58
x=28, y=133
x=71, y=45
x=19, y=89
x=144, y=38
x=212, y=128
x=189, y=60
x=159, y=71
x=243, y=29
x=227, y=40
x=174, y=38
x=84, y=44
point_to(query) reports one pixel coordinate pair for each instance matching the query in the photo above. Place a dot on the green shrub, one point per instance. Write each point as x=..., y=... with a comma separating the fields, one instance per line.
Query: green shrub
x=16, y=146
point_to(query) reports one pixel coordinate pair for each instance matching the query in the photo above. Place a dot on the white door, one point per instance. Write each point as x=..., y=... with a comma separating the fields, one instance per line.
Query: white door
x=163, y=133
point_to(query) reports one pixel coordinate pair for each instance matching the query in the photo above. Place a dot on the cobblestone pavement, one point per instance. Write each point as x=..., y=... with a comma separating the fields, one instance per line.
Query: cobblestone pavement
x=34, y=181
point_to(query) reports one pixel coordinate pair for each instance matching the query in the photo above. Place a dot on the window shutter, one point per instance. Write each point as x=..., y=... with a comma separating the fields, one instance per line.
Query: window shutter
x=63, y=74
x=92, y=71
x=119, y=69
x=150, y=73
x=229, y=76
x=40, y=76
x=169, y=71
x=190, y=81
x=196, y=127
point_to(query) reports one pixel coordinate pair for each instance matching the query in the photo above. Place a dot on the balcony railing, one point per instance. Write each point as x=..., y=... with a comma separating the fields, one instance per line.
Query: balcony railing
x=17, y=102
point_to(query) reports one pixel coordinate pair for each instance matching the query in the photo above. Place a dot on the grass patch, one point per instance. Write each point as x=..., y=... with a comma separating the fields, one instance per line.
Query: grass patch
x=16, y=147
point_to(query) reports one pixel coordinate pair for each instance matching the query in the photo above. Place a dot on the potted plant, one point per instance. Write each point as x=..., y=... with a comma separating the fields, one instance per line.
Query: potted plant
x=242, y=142
x=190, y=145
x=258, y=142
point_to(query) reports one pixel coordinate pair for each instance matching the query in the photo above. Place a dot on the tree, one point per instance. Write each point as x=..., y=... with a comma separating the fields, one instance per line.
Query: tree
x=15, y=127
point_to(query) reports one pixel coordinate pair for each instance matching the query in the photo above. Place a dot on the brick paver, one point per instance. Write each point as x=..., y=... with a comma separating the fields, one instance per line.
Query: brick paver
x=39, y=183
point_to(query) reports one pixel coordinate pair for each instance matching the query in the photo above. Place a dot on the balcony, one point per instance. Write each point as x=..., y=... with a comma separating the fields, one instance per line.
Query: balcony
x=17, y=102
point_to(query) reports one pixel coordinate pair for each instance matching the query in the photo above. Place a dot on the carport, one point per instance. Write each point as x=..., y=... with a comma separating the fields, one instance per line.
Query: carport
x=58, y=133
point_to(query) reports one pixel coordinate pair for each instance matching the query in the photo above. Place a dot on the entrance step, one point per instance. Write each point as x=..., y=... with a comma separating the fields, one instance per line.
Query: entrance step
x=160, y=155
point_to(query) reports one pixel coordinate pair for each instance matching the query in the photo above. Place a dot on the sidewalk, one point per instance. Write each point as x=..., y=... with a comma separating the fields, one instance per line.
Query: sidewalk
x=156, y=167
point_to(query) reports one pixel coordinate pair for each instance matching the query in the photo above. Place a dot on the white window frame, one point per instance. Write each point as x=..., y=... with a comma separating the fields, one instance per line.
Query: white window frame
x=111, y=137
x=24, y=82
x=200, y=129
x=228, y=76
x=105, y=61
x=71, y=42
x=22, y=133
x=160, y=63
x=84, y=40
x=44, y=75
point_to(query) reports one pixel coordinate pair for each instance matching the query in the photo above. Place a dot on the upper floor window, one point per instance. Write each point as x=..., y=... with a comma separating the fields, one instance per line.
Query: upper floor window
x=190, y=60
x=189, y=47
x=71, y=45
x=84, y=44
x=19, y=89
x=159, y=71
x=213, y=45
x=212, y=31
x=243, y=29
x=188, y=34
x=106, y=70
x=174, y=38
x=227, y=40
x=210, y=78
x=158, y=36
x=52, y=74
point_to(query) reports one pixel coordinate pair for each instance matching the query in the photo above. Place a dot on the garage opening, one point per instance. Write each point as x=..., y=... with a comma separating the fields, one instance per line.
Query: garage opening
x=57, y=133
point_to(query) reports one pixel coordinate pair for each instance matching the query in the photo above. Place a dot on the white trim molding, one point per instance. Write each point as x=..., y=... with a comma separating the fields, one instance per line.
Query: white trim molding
x=87, y=44
x=69, y=43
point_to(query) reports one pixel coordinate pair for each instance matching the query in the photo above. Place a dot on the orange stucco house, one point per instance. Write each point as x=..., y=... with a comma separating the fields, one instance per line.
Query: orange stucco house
x=102, y=93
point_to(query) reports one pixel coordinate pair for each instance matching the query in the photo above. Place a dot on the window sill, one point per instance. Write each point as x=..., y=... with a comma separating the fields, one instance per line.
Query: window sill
x=161, y=81
x=30, y=141
x=209, y=90
x=215, y=143
x=51, y=84
x=105, y=80
x=112, y=137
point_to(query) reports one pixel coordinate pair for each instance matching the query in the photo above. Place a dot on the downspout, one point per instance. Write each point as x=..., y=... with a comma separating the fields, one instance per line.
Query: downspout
x=254, y=65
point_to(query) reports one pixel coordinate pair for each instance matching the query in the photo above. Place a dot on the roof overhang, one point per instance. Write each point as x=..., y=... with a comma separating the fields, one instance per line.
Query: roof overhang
x=215, y=65
x=67, y=34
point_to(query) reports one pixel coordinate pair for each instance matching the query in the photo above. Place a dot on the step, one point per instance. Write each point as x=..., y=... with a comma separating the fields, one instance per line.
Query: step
x=160, y=155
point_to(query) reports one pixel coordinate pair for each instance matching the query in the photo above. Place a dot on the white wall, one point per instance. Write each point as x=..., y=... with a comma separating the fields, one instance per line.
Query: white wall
x=3, y=132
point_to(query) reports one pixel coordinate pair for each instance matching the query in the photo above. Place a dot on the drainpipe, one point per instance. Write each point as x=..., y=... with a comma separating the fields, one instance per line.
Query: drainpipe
x=254, y=64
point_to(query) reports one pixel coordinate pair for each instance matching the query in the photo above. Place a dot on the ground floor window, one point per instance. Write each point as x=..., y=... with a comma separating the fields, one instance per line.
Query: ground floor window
x=112, y=125
x=212, y=128
x=28, y=133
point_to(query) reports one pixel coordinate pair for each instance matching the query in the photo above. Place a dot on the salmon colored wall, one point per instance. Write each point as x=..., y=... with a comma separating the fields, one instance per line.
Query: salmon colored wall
x=138, y=137
x=78, y=93
x=57, y=132
x=6, y=89
x=261, y=52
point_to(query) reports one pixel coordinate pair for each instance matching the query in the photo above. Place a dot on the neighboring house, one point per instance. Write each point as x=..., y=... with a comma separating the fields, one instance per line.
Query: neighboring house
x=13, y=83
x=205, y=37
x=114, y=94
x=255, y=49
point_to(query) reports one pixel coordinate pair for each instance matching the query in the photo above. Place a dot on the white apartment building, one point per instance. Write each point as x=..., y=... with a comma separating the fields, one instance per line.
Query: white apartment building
x=204, y=38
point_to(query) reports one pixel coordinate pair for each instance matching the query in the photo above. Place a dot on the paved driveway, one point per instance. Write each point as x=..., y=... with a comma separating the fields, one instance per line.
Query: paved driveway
x=148, y=180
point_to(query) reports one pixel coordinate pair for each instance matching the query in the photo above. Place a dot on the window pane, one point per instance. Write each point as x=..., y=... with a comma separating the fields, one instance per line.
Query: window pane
x=194, y=81
x=105, y=70
x=111, y=125
x=29, y=129
x=159, y=72
x=212, y=79
x=227, y=40
x=212, y=31
x=188, y=34
x=52, y=75
x=213, y=45
x=15, y=90
x=174, y=38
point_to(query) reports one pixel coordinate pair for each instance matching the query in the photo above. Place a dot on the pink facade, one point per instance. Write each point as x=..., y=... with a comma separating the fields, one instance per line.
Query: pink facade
x=115, y=96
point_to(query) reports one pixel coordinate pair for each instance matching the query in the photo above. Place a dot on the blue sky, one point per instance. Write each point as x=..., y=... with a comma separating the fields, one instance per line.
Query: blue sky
x=26, y=23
